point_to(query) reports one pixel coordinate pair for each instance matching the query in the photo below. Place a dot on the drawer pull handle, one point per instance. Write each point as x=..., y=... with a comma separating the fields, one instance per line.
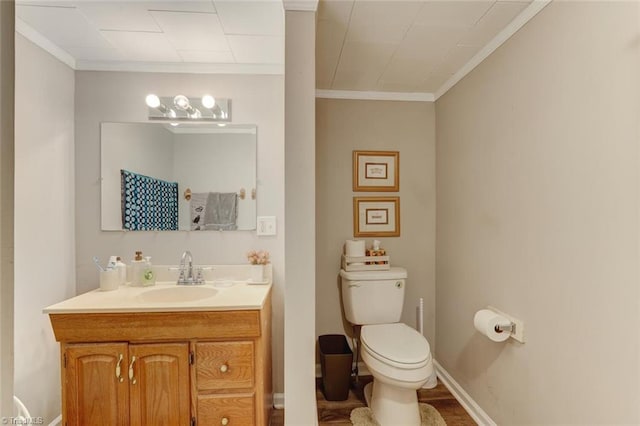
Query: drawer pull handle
x=223, y=369
x=224, y=421
x=118, y=369
x=131, y=377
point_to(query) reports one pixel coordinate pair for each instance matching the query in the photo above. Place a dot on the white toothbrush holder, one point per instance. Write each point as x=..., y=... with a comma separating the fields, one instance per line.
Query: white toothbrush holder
x=109, y=280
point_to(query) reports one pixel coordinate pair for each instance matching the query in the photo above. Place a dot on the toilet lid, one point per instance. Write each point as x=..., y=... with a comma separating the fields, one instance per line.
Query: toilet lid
x=396, y=342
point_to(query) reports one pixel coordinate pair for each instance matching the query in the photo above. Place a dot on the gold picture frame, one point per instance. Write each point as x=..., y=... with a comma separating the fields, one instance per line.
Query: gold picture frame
x=376, y=216
x=376, y=171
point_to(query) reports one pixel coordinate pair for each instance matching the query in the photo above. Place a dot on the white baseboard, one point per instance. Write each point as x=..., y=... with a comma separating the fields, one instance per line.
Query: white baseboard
x=472, y=407
x=278, y=401
x=57, y=421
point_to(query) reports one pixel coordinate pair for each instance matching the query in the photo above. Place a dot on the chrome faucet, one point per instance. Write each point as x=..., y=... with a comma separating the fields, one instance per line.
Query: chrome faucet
x=187, y=276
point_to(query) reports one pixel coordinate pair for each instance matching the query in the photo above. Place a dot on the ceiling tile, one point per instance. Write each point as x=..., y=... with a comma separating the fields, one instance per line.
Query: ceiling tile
x=200, y=6
x=65, y=27
x=251, y=17
x=143, y=47
x=409, y=70
x=95, y=54
x=432, y=83
x=361, y=65
x=456, y=58
x=329, y=39
x=498, y=17
x=381, y=21
x=192, y=31
x=257, y=49
x=448, y=13
x=338, y=11
x=206, y=56
x=130, y=16
x=428, y=43
x=384, y=86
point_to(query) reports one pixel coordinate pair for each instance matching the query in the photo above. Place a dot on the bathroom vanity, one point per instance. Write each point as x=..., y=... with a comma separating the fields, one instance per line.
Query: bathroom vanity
x=166, y=355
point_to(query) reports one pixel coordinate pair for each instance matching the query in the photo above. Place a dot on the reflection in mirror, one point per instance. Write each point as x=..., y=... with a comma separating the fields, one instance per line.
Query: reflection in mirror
x=193, y=176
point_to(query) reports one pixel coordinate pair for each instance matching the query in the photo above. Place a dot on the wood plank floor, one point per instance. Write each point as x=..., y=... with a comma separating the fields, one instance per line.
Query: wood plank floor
x=336, y=413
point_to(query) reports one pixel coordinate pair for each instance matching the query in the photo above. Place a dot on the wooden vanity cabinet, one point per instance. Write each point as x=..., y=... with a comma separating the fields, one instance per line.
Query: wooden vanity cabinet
x=181, y=368
x=120, y=384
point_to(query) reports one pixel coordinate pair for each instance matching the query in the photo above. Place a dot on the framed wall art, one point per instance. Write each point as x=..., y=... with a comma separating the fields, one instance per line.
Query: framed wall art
x=376, y=171
x=376, y=216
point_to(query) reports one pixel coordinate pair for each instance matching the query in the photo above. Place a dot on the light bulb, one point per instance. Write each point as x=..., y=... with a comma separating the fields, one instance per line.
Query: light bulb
x=172, y=113
x=208, y=101
x=181, y=102
x=153, y=101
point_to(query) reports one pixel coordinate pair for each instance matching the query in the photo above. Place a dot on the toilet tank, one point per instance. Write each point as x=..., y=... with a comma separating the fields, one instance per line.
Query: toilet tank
x=373, y=297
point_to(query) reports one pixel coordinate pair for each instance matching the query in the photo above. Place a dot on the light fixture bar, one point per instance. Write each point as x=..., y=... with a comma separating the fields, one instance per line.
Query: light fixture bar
x=182, y=108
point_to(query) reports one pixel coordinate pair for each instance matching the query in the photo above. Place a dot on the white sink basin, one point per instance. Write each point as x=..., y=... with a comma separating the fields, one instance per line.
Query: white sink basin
x=176, y=294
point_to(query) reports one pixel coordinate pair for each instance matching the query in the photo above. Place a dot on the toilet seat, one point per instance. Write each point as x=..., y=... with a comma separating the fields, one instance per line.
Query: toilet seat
x=396, y=344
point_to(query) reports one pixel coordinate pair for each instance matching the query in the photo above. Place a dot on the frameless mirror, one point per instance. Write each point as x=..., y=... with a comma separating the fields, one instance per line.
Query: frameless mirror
x=193, y=176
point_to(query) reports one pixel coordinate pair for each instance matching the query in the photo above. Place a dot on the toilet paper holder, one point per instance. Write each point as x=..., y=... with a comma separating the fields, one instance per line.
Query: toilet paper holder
x=509, y=328
x=515, y=328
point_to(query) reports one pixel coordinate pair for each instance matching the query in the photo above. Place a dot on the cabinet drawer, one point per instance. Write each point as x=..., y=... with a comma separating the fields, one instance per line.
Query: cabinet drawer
x=238, y=410
x=224, y=365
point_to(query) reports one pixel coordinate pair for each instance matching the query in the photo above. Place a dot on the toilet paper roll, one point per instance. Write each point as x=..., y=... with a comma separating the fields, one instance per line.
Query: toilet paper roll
x=486, y=321
x=354, y=248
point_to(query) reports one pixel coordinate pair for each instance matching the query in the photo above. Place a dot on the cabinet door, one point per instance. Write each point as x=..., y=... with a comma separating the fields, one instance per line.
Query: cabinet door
x=95, y=389
x=159, y=384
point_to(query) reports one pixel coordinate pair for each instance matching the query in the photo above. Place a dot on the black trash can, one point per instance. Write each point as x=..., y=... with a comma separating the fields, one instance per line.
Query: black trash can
x=335, y=362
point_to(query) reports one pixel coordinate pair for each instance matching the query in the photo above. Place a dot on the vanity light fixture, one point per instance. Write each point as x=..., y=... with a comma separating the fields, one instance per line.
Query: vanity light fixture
x=185, y=108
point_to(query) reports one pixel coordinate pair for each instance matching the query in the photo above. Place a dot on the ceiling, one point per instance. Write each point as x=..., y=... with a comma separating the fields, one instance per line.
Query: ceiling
x=101, y=33
x=379, y=46
x=403, y=46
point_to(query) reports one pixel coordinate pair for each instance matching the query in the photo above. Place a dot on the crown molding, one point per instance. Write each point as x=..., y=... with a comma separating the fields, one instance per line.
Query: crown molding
x=525, y=16
x=300, y=5
x=376, y=96
x=181, y=67
x=44, y=43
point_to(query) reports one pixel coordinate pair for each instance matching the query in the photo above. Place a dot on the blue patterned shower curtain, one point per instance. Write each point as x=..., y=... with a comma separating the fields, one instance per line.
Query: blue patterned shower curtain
x=148, y=204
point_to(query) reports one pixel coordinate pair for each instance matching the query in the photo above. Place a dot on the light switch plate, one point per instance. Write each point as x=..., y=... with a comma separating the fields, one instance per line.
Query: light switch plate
x=266, y=225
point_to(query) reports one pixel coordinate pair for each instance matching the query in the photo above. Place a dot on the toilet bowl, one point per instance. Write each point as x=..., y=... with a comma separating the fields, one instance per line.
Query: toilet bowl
x=399, y=359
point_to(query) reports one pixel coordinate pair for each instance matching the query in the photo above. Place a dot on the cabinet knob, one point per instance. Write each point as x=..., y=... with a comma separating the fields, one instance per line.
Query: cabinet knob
x=224, y=421
x=223, y=369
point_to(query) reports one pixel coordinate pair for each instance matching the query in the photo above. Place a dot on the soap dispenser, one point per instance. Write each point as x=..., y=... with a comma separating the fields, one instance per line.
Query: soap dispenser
x=138, y=265
x=122, y=270
x=148, y=277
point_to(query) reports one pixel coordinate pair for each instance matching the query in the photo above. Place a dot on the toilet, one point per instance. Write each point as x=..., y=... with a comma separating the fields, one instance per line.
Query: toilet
x=398, y=357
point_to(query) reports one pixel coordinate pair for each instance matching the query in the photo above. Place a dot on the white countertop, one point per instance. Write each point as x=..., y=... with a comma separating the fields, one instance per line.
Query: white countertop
x=239, y=296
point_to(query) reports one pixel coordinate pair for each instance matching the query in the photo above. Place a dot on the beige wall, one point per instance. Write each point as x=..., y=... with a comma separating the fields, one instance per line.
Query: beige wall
x=537, y=181
x=7, y=56
x=299, y=376
x=119, y=97
x=44, y=223
x=343, y=126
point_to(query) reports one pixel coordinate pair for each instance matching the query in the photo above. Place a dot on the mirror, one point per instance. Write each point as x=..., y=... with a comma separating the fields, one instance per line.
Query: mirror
x=193, y=176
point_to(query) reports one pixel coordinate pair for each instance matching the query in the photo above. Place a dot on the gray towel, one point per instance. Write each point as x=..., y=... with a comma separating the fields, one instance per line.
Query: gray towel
x=221, y=211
